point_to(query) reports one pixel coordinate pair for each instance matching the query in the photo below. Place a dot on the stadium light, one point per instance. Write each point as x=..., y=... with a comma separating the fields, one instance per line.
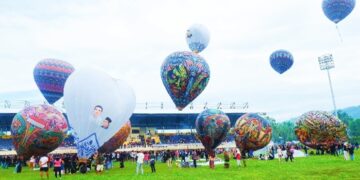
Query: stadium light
x=326, y=62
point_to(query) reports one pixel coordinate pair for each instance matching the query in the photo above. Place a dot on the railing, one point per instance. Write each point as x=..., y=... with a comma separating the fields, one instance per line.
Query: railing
x=20, y=104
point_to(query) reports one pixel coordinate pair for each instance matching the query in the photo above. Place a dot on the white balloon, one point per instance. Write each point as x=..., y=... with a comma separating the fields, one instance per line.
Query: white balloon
x=97, y=106
x=197, y=37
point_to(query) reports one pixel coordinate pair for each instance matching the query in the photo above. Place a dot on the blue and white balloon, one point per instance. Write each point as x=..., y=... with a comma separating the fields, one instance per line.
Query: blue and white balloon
x=281, y=61
x=337, y=10
x=97, y=106
x=197, y=37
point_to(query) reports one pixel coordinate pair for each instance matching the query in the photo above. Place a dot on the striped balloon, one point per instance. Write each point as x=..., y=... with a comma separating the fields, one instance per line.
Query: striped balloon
x=50, y=76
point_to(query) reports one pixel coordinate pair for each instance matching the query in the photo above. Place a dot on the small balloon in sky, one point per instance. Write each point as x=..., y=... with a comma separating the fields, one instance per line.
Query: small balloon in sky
x=281, y=61
x=197, y=37
x=337, y=10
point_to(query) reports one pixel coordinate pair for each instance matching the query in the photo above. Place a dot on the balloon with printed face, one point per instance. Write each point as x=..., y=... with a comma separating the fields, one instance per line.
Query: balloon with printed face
x=96, y=105
x=197, y=37
x=38, y=130
x=281, y=61
x=117, y=140
x=252, y=132
x=337, y=10
x=50, y=76
x=212, y=126
x=320, y=128
x=184, y=75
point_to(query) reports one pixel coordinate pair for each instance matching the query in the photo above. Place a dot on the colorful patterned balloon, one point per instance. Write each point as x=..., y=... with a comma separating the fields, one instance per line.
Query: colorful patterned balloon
x=337, y=10
x=117, y=140
x=38, y=130
x=184, y=75
x=50, y=76
x=320, y=128
x=252, y=132
x=281, y=61
x=212, y=126
x=197, y=37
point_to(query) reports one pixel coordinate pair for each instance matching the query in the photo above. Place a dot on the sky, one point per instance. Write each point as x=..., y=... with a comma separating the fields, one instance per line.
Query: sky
x=130, y=39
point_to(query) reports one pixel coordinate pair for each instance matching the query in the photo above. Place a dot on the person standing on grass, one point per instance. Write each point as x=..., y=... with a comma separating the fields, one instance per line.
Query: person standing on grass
x=44, y=166
x=346, y=152
x=226, y=159
x=194, y=158
x=152, y=162
x=280, y=153
x=57, y=166
x=212, y=161
x=168, y=158
x=238, y=157
x=351, y=151
x=32, y=162
x=139, y=163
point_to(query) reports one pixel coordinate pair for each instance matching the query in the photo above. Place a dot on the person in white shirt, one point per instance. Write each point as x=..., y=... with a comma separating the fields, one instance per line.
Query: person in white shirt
x=43, y=163
x=139, y=162
x=280, y=153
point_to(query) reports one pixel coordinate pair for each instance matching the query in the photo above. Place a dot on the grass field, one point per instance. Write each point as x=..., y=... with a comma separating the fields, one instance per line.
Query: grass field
x=314, y=167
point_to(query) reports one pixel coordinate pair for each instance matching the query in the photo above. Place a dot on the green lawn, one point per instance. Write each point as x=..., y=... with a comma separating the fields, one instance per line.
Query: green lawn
x=314, y=167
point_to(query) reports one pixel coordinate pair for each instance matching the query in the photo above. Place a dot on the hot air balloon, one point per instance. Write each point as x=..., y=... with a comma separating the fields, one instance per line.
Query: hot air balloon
x=96, y=105
x=281, y=61
x=184, y=75
x=117, y=140
x=38, y=130
x=337, y=10
x=252, y=132
x=50, y=76
x=212, y=126
x=320, y=128
x=197, y=37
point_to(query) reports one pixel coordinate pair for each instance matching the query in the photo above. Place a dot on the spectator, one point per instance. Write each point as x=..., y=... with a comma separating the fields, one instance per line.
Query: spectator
x=152, y=162
x=212, y=161
x=226, y=159
x=238, y=157
x=351, y=151
x=44, y=166
x=57, y=166
x=194, y=158
x=139, y=162
x=280, y=153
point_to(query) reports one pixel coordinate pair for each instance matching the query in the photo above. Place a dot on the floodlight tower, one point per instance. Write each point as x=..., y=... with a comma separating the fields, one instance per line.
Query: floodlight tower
x=326, y=62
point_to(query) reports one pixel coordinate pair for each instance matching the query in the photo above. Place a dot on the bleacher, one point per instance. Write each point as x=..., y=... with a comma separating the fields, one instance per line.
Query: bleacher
x=6, y=144
x=177, y=139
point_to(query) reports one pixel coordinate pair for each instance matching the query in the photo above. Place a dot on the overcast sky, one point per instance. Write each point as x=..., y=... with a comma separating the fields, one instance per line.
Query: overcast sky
x=130, y=40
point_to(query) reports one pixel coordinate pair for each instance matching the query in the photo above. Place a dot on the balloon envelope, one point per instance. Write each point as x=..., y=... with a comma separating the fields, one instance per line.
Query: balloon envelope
x=337, y=10
x=320, y=128
x=97, y=106
x=50, y=76
x=184, y=75
x=281, y=61
x=212, y=126
x=197, y=37
x=252, y=132
x=117, y=140
x=38, y=130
